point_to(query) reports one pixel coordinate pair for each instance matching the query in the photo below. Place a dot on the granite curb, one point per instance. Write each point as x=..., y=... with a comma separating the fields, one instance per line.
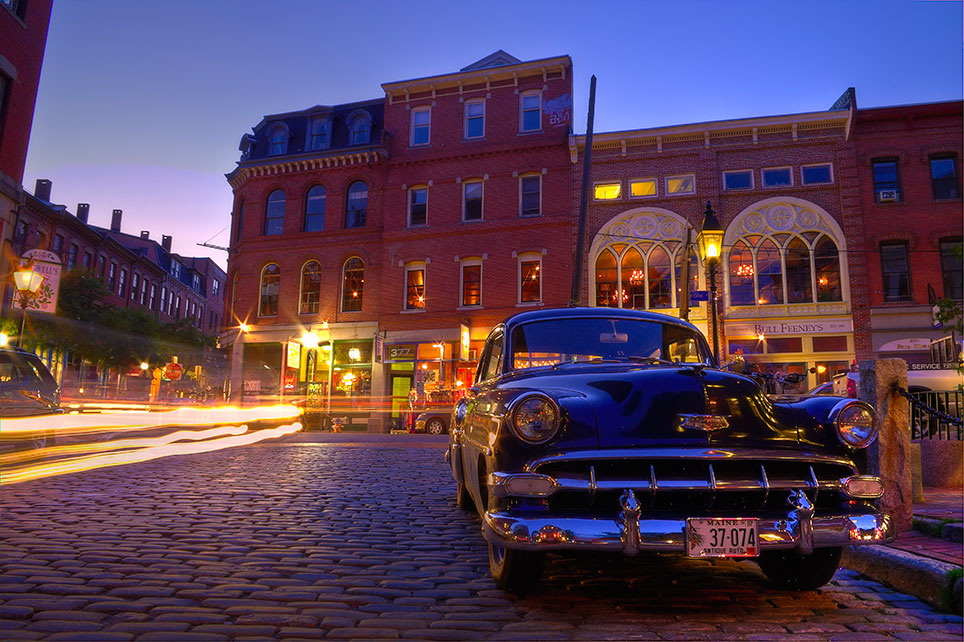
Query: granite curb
x=932, y=581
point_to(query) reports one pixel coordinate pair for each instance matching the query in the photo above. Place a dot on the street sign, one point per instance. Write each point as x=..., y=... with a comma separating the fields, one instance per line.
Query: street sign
x=173, y=371
x=699, y=295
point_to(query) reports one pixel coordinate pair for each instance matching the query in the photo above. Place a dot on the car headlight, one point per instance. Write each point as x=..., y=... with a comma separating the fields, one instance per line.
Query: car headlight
x=534, y=418
x=856, y=423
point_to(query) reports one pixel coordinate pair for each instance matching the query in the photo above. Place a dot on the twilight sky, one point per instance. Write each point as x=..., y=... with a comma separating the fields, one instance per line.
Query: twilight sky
x=142, y=104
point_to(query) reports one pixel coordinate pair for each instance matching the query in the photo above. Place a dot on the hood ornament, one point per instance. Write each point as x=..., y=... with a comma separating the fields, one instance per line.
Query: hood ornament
x=706, y=423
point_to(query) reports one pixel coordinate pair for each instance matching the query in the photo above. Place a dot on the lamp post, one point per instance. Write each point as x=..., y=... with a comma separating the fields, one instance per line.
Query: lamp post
x=27, y=283
x=710, y=239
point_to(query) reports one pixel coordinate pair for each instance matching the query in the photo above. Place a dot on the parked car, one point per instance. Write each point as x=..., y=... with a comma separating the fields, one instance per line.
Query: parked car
x=26, y=389
x=434, y=422
x=825, y=388
x=846, y=384
x=597, y=429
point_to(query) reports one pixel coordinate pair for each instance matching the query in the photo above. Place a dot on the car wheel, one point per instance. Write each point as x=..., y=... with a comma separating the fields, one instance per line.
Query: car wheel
x=435, y=427
x=516, y=571
x=798, y=572
x=462, y=498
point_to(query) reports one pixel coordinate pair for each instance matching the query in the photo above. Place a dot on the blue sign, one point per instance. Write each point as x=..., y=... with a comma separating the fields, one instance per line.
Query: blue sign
x=699, y=295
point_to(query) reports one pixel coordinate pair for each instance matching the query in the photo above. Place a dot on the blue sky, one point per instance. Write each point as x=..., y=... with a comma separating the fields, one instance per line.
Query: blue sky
x=142, y=104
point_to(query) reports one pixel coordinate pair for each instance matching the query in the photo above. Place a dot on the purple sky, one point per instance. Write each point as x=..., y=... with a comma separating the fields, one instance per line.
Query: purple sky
x=142, y=104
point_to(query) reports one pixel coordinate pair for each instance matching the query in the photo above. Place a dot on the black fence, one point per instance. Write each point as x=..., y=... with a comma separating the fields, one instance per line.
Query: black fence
x=936, y=415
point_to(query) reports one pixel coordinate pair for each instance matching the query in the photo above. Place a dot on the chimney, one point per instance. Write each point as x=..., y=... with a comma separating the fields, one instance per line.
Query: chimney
x=42, y=190
x=115, y=220
x=83, y=211
x=145, y=235
x=166, y=242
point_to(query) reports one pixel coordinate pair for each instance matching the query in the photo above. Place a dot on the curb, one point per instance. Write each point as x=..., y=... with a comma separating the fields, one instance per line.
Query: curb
x=929, y=580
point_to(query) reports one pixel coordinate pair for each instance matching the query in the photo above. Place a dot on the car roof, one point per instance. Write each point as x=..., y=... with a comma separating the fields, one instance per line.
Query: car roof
x=586, y=312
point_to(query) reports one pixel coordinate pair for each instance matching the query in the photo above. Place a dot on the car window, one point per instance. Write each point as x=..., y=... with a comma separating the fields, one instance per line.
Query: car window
x=494, y=364
x=20, y=372
x=552, y=341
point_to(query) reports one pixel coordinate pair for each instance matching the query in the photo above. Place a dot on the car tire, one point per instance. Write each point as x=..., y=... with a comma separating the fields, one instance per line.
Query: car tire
x=435, y=427
x=789, y=570
x=516, y=571
x=462, y=498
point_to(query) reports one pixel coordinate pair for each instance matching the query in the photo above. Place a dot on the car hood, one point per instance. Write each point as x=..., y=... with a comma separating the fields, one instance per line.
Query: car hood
x=642, y=405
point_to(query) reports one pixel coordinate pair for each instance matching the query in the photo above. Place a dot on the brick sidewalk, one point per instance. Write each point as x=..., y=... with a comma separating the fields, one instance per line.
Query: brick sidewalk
x=939, y=504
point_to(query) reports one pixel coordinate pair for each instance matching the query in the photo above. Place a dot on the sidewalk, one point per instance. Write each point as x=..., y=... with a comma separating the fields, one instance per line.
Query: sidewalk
x=925, y=562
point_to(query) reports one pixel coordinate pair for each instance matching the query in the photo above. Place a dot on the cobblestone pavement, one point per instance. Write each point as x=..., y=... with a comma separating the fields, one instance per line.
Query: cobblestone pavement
x=321, y=541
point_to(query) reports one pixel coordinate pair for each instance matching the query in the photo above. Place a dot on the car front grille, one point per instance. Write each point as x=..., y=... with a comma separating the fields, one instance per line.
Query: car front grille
x=694, y=486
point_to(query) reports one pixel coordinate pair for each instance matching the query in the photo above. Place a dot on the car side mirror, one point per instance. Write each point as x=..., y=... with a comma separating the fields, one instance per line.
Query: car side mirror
x=473, y=391
x=737, y=366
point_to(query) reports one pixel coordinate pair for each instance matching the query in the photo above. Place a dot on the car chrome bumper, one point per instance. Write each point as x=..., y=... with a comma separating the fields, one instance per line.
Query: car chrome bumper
x=630, y=532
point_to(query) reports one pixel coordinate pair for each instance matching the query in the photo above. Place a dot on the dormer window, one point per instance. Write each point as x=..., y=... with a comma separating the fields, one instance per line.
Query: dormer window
x=278, y=140
x=318, y=136
x=361, y=128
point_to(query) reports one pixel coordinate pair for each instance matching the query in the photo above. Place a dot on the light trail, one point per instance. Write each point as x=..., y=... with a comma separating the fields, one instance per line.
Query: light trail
x=102, y=460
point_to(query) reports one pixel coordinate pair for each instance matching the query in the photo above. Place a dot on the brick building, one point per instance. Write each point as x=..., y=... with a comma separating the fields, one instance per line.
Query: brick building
x=399, y=231
x=908, y=167
x=23, y=37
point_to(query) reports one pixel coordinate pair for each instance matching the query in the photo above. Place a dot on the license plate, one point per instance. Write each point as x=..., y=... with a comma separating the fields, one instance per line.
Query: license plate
x=722, y=537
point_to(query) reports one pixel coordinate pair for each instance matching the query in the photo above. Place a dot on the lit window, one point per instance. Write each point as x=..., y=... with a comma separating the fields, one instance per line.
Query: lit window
x=471, y=284
x=777, y=177
x=530, y=195
x=415, y=287
x=606, y=191
x=642, y=188
x=816, y=174
x=944, y=177
x=421, y=125
x=270, y=287
x=685, y=184
x=530, y=278
x=472, y=201
x=315, y=209
x=274, y=214
x=357, y=208
x=475, y=119
x=417, y=206
x=352, y=285
x=742, y=179
x=530, y=105
x=310, y=288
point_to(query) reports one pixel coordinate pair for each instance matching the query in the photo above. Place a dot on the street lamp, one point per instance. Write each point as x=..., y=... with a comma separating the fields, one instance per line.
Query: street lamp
x=27, y=283
x=710, y=240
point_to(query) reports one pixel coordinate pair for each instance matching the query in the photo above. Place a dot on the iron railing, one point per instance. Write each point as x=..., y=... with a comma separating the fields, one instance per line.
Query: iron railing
x=936, y=415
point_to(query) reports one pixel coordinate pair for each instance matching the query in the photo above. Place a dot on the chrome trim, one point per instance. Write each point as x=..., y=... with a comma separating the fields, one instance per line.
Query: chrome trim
x=687, y=418
x=592, y=484
x=629, y=523
x=766, y=484
x=513, y=406
x=628, y=534
x=498, y=484
x=801, y=520
x=486, y=450
x=703, y=452
x=834, y=415
x=846, y=491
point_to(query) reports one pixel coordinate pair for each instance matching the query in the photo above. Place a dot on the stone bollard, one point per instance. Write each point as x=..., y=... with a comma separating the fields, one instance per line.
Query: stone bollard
x=890, y=455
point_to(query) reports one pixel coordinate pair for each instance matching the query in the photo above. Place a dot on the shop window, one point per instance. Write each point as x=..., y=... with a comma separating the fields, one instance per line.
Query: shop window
x=770, y=273
x=352, y=285
x=606, y=280
x=783, y=344
x=270, y=288
x=274, y=213
x=606, y=191
x=895, y=267
x=642, y=188
x=798, y=273
x=886, y=180
x=310, y=288
x=356, y=211
x=952, y=268
x=315, y=209
x=816, y=174
x=744, y=346
x=829, y=344
x=777, y=177
x=742, y=179
x=741, y=275
x=417, y=206
x=685, y=184
x=633, y=281
x=471, y=284
x=826, y=261
x=944, y=177
x=659, y=285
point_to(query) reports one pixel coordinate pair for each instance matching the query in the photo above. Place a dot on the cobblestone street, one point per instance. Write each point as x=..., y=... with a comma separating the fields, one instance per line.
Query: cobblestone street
x=298, y=540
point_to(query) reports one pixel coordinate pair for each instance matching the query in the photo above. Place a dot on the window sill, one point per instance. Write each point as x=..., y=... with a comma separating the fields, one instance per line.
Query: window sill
x=420, y=146
x=415, y=311
x=529, y=133
x=473, y=220
x=415, y=227
x=530, y=304
x=474, y=140
x=469, y=307
x=681, y=194
x=954, y=199
x=536, y=215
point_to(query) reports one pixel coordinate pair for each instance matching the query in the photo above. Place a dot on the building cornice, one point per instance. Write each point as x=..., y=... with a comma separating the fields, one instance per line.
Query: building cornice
x=402, y=90
x=292, y=165
x=721, y=129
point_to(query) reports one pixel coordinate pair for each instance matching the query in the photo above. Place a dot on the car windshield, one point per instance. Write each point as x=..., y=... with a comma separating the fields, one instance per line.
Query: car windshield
x=547, y=343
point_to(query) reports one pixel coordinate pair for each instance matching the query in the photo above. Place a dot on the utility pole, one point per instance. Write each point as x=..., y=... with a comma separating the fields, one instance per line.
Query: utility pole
x=577, y=263
x=684, y=277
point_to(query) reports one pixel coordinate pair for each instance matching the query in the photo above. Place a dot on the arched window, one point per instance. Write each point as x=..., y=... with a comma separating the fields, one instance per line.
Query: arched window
x=660, y=282
x=799, y=286
x=741, y=275
x=274, y=213
x=270, y=286
x=352, y=285
x=278, y=140
x=357, y=207
x=606, y=280
x=361, y=128
x=769, y=269
x=315, y=209
x=310, y=288
x=633, y=280
x=826, y=261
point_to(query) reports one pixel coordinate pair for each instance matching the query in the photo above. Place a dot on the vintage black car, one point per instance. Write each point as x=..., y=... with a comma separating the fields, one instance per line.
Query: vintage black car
x=613, y=430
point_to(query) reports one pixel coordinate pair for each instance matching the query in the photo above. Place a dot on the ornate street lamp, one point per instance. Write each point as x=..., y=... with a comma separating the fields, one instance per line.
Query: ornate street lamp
x=28, y=284
x=710, y=239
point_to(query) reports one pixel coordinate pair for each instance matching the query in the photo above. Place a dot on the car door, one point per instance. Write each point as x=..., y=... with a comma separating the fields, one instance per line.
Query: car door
x=19, y=387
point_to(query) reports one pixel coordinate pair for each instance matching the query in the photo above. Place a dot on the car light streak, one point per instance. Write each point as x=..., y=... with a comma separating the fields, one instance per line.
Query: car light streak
x=103, y=460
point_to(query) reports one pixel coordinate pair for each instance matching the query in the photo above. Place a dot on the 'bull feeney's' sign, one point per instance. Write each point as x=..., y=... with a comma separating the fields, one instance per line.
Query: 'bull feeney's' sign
x=803, y=326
